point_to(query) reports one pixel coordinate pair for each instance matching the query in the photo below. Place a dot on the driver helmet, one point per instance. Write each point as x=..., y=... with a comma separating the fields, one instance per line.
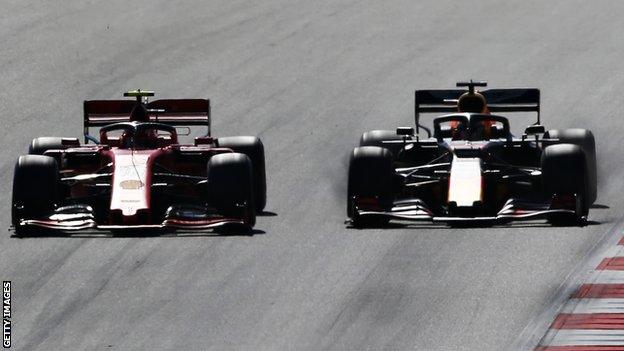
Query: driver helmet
x=472, y=102
x=484, y=130
x=145, y=138
x=126, y=141
x=458, y=130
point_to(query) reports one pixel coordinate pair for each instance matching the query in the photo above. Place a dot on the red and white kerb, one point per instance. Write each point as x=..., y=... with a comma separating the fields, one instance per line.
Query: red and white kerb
x=593, y=318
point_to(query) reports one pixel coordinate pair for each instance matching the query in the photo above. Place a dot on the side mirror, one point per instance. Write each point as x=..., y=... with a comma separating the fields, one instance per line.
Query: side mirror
x=183, y=131
x=406, y=131
x=535, y=129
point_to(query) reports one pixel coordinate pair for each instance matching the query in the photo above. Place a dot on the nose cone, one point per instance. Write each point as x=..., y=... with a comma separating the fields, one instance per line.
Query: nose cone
x=465, y=188
x=130, y=198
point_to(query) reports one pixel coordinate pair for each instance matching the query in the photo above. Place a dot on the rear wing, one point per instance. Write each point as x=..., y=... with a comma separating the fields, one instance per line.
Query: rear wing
x=498, y=100
x=174, y=112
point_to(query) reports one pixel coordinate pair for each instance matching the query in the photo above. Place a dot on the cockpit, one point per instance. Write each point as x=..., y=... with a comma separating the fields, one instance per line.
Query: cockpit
x=471, y=127
x=138, y=135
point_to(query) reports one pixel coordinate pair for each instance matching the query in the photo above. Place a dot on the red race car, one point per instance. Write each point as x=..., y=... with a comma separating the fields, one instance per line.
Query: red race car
x=138, y=175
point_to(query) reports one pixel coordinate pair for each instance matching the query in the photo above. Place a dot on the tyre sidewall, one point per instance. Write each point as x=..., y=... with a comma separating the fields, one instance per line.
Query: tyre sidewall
x=371, y=174
x=254, y=149
x=585, y=139
x=564, y=171
x=35, y=187
x=230, y=184
x=377, y=137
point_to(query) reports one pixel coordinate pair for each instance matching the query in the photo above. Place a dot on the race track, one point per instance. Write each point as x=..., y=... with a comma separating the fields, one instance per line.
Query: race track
x=307, y=77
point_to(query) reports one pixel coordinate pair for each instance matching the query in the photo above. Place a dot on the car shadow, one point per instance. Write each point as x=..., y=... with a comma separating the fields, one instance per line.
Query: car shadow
x=444, y=226
x=94, y=234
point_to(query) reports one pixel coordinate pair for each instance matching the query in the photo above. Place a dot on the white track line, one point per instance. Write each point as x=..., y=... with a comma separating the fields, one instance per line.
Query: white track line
x=583, y=337
x=594, y=306
x=614, y=251
x=606, y=277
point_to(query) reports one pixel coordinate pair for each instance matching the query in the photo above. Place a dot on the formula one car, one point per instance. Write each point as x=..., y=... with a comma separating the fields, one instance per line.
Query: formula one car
x=137, y=175
x=471, y=169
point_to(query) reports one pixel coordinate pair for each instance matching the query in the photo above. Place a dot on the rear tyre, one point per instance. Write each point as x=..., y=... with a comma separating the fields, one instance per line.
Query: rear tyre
x=371, y=175
x=253, y=148
x=230, y=186
x=564, y=173
x=42, y=144
x=35, y=188
x=376, y=138
x=585, y=139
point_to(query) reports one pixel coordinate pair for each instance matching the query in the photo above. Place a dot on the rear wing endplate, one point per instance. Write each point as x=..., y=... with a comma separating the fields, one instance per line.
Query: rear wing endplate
x=498, y=100
x=174, y=112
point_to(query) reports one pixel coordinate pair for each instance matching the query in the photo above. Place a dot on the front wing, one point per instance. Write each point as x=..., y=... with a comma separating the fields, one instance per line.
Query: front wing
x=77, y=218
x=513, y=210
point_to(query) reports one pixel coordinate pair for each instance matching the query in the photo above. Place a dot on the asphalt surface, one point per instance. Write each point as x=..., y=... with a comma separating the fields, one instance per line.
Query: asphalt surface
x=308, y=77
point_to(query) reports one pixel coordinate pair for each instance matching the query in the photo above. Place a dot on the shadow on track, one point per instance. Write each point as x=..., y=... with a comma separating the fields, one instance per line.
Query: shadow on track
x=518, y=225
x=139, y=234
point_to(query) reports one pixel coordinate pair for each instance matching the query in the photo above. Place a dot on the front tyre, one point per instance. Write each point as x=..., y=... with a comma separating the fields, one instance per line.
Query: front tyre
x=35, y=188
x=371, y=178
x=585, y=139
x=254, y=149
x=564, y=174
x=230, y=186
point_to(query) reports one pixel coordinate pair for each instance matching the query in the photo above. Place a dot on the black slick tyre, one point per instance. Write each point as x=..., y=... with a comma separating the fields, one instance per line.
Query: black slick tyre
x=377, y=137
x=230, y=186
x=42, y=144
x=35, y=188
x=564, y=173
x=254, y=149
x=585, y=139
x=371, y=175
